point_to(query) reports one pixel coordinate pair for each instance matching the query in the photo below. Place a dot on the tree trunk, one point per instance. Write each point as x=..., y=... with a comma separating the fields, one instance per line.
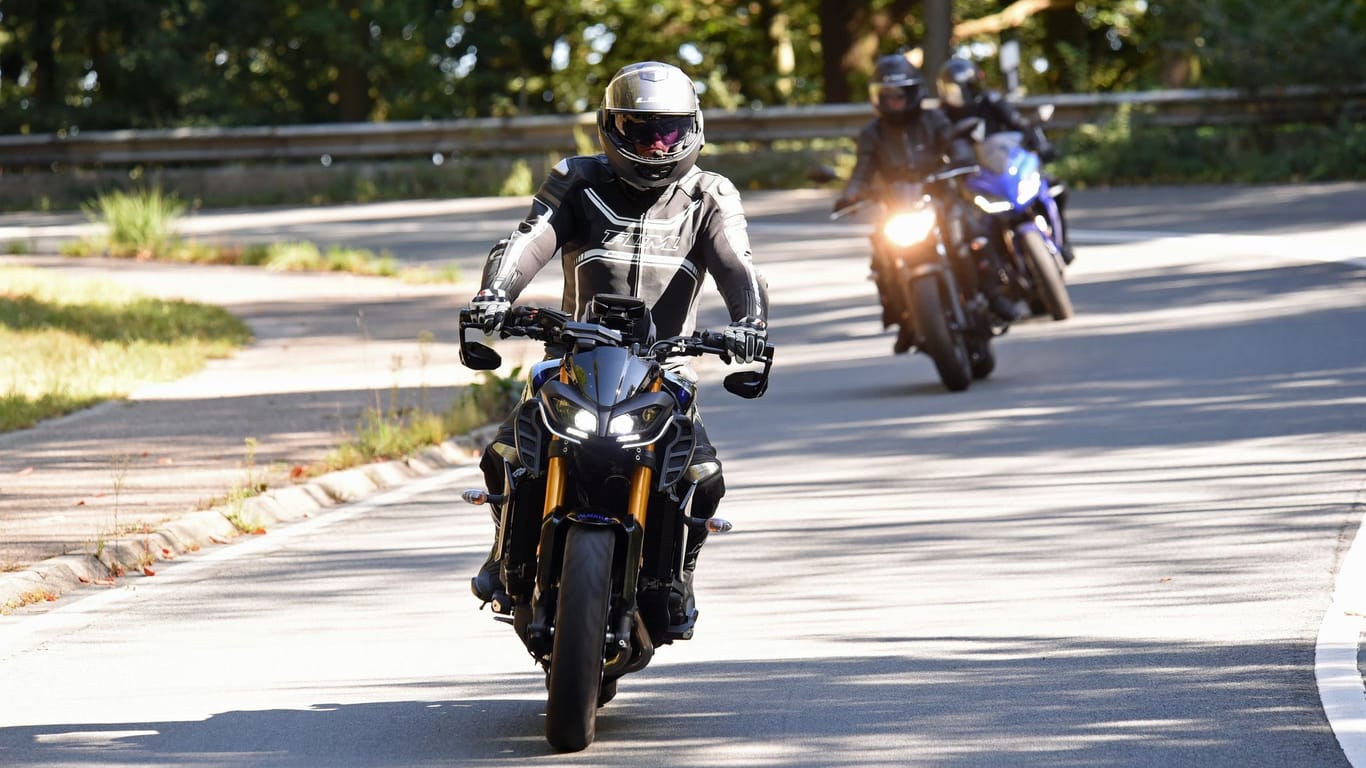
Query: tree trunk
x=837, y=38
x=938, y=32
x=353, y=82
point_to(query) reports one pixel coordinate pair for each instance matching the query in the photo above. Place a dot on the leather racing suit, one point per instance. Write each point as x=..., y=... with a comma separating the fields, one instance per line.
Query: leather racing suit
x=656, y=244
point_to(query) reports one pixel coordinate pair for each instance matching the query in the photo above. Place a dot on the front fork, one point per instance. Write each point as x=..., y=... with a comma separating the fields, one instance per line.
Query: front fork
x=632, y=524
x=940, y=270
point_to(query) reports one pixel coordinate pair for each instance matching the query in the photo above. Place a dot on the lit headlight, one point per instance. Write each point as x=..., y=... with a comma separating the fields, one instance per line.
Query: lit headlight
x=628, y=426
x=905, y=229
x=586, y=421
x=1028, y=189
x=993, y=206
x=573, y=419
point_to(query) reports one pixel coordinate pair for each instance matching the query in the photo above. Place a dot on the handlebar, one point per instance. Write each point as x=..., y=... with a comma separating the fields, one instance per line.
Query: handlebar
x=919, y=183
x=552, y=326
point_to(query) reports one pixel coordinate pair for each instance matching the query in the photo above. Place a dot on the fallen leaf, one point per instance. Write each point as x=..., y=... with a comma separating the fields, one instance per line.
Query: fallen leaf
x=259, y=532
x=217, y=540
x=25, y=471
x=84, y=579
x=147, y=571
x=1165, y=579
x=81, y=503
x=296, y=472
x=51, y=598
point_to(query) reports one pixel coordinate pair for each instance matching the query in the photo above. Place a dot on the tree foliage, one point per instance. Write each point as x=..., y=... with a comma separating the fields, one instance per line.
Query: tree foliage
x=67, y=65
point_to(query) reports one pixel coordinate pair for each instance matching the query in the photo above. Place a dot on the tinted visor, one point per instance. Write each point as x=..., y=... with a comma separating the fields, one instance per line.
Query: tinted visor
x=646, y=131
x=896, y=97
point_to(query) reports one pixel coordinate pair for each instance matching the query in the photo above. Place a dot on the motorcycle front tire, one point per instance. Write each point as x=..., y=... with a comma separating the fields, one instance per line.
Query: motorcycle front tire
x=1047, y=276
x=936, y=337
x=576, y=659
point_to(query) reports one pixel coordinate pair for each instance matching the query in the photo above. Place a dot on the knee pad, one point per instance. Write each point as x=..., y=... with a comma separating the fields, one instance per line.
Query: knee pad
x=708, y=495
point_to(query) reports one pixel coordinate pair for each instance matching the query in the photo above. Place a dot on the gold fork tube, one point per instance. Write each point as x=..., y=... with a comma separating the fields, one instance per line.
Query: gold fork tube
x=639, y=501
x=554, y=481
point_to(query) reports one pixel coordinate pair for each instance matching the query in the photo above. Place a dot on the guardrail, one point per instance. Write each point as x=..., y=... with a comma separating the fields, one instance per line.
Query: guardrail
x=555, y=134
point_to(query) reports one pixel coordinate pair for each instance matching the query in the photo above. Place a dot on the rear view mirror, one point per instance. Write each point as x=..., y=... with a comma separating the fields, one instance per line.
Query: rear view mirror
x=746, y=384
x=476, y=355
x=822, y=174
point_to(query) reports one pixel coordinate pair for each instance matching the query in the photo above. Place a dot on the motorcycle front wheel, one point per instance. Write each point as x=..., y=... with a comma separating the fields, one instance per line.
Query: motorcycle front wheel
x=1047, y=276
x=576, y=659
x=937, y=337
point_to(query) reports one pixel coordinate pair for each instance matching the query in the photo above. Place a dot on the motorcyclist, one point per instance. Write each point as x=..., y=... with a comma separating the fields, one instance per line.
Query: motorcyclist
x=639, y=219
x=903, y=141
x=963, y=93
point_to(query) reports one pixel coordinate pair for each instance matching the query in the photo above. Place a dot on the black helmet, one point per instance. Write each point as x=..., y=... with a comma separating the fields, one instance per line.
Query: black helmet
x=650, y=126
x=960, y=83
x=896, y=88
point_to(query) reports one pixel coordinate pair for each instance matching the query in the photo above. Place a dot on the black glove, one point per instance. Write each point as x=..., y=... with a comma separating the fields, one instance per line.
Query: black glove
x=745, y=338
x=489, y=308
x=842, y=202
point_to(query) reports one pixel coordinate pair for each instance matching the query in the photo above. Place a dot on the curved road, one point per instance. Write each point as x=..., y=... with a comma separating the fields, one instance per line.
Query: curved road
x=1118, y=550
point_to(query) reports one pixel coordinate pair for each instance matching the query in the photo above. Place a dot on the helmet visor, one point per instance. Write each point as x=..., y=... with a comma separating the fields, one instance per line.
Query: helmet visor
x=651, y=134
x=951, y=93
x=895, y=98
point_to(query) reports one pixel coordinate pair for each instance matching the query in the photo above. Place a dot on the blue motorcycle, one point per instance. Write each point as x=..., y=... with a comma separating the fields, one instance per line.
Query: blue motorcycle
x=1021, y=222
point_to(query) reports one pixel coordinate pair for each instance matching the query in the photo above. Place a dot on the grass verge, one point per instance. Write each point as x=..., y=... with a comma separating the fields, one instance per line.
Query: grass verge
x=143, y=224
x=70, y=344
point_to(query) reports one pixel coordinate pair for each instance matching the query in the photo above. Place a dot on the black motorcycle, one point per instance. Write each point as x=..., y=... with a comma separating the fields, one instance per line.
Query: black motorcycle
x=598, y=491
x=944, y=315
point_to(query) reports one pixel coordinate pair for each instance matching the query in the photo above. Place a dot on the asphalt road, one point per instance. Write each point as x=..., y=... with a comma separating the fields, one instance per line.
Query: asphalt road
x=1118, y=550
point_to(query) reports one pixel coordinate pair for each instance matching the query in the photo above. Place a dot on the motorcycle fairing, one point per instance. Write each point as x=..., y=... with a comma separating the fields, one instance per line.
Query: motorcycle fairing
x=1009, y=173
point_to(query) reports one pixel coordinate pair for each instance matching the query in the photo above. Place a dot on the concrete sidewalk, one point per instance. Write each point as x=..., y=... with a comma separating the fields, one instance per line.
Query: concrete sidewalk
x=116, y=488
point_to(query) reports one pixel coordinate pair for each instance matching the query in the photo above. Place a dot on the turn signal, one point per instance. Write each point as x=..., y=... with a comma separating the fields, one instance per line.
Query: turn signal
x=478, y=496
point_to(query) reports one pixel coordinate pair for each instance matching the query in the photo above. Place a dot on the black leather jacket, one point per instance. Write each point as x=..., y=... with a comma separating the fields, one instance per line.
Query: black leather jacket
x=1000, y=115
x=656, y=244
x=898, y=149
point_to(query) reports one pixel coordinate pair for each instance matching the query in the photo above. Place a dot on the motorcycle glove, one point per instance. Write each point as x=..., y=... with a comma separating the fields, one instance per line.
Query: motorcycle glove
x=489, y=308
x=845, y=201
x=746, y=338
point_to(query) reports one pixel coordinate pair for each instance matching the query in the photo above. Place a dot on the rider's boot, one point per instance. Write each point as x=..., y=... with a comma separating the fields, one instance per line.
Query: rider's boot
x=1003, y=307
x=905, y=338
x=488, y=581
x=682, y=604
x=990, y=280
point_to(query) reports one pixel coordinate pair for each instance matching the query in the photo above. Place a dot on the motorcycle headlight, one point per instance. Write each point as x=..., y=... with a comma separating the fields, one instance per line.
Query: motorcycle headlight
x=1028, y=189
x=905, y=229
x=640, y=426
x=993, y=206
x=570, y=418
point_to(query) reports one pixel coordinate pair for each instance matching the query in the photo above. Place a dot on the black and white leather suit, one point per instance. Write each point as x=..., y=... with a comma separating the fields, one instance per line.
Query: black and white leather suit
x=656, y=244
